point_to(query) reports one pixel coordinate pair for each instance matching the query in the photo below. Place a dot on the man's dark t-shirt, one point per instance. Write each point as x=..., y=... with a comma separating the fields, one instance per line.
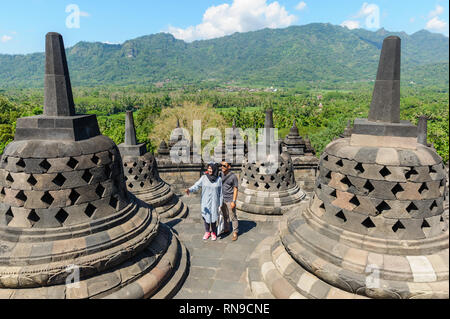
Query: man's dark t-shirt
x=229, y=182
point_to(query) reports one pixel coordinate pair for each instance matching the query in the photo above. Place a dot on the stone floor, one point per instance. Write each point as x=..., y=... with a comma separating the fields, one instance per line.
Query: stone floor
x=217, y=269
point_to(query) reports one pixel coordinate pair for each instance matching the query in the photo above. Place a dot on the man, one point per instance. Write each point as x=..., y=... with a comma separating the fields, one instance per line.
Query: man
x=230, y=193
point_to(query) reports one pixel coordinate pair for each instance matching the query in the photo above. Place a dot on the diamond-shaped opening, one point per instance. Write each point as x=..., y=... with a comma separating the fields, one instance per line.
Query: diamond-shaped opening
x=136, y=177
x=90, y=210
x=31, y=180
x=21, y=196
x=328, y=175
x=100, y=190
x=9, y=178
x=333, y=193
x=95, y=159
x=382, y=207
x=45, y=165
x=368, y=186
x=33, y=217
x=262, y=178
x=73, y=197
x=21, y=163
x=256, y=185
x=72, y=163
x=130, y=185
x=47, y=198
x=385, y=172
x=61, y=216
x=340, y=163
x=267, y=186
x=278, y=186
x=59, y=180
x=278, y=171
x=423, y=188
x=145, y=176
x=140, y=170
x=359, y=167
x=425, y=224
x=9, y=216
x=411, y=207
x=257, y=169
x=325, y=158
x=283, y=178
x=3, y=191
x=396, y=189
x=125, y=164
x=107, y=171
x=319, y=186
x=142, y=184
x=287, y=184
x=398, y=225
x=252, y=176
x=87, y=176
x=134, y=164
x=431, y=169
x=433, y=206
x=322, y=206
x=151, y=181
x=368, y=223
x=5, y=159
x=346, y=181
x=272, y=178
x=410, y=173
x=130, y=171
x=113, y=202
x=341, y=215
x=355, y=201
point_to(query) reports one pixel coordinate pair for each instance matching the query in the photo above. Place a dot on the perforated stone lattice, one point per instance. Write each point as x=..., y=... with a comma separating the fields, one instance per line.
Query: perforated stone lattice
x=51, y=192
x=388, y=201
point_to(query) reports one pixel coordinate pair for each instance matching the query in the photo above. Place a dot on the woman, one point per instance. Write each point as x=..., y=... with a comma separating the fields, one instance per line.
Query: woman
x=212, y=199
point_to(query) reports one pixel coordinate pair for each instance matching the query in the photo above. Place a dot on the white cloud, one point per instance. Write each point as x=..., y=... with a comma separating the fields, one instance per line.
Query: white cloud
x=350, y=24
x=437, y=25
x=436, y=12
x=240, y=16
x=6, y=38
x=300, y=6
x=369, y=12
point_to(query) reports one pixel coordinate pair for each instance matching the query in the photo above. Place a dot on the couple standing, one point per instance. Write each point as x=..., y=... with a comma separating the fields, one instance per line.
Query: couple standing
x=219, y=192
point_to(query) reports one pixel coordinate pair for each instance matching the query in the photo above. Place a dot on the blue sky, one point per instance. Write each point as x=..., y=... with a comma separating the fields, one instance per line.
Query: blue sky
x=24, y=23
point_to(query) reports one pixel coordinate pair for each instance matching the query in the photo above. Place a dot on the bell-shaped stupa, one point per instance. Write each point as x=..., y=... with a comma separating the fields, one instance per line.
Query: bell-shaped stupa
x=68, y=226
x=267, y=187
x=376, y=226
x=142, y=177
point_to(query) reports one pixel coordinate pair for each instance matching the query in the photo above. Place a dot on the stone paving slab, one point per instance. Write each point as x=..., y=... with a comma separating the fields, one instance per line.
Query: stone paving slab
x=218, y=269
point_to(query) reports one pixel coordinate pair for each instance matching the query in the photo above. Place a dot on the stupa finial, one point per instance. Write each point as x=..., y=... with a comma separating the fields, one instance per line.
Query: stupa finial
x=58, y=98
x=130, y=130
x=385, y=106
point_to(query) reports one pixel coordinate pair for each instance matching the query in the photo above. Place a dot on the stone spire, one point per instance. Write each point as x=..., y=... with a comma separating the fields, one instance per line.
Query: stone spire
x=385, y=105
x=384, y=115
x=59, y=121
x=58, y=98
x=422, y=130
x=130, y=130
x=131, y=146
x=269, y=119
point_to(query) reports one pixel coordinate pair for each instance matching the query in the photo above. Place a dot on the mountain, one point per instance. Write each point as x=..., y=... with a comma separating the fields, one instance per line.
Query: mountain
x=298, y=55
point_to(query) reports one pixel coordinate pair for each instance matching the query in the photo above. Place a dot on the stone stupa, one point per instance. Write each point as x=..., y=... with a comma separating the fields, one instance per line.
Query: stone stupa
x=142, y=177
x=376, y=226
x=264, y=191
x=68, y=226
